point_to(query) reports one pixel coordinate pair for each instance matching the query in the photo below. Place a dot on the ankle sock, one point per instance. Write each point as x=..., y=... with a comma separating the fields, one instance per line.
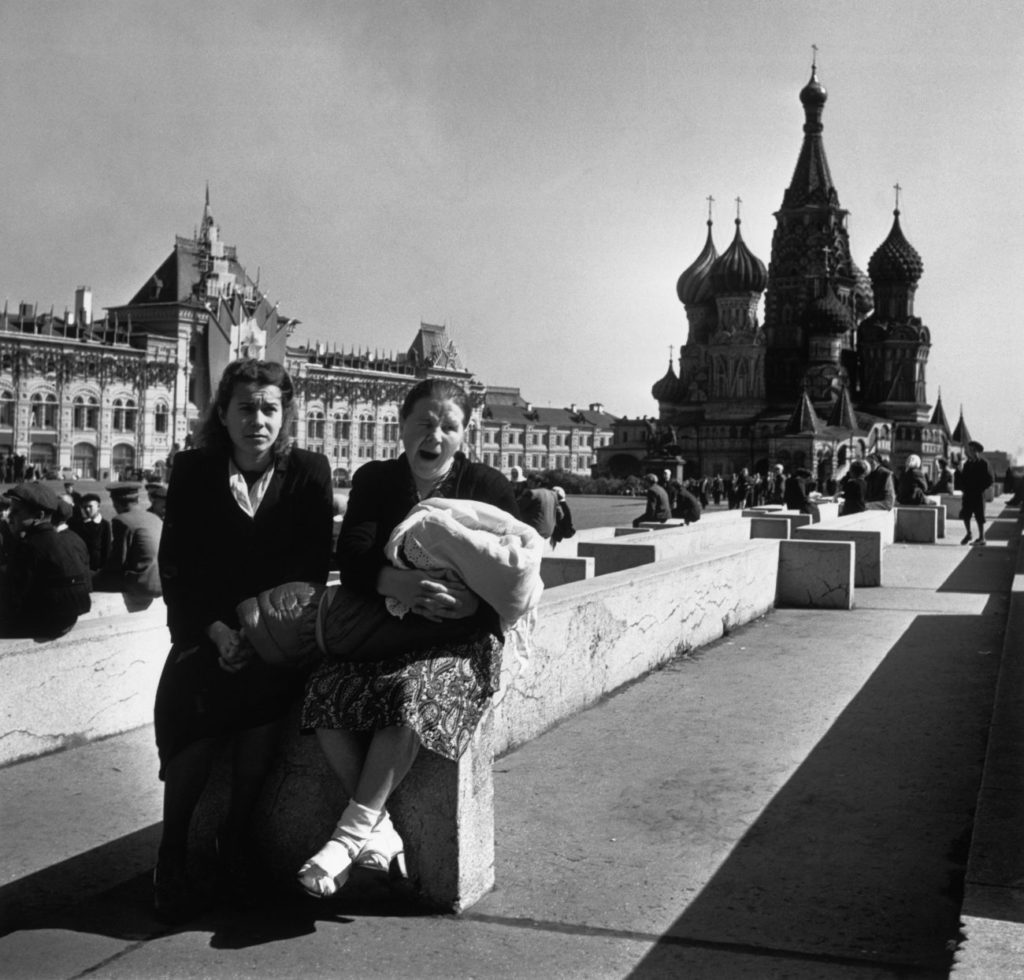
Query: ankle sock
x=347, y=840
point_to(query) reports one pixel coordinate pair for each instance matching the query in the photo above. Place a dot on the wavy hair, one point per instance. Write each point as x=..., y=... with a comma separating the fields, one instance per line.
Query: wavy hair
x=439, y=389
x=212, y=436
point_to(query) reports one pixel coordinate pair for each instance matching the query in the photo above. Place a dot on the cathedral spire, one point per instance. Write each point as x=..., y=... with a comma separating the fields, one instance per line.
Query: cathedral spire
x=939, y=415
x=812, y=178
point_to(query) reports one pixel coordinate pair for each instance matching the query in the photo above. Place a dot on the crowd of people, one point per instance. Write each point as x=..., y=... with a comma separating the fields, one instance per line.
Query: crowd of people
x=404, y=653
x=56, y=550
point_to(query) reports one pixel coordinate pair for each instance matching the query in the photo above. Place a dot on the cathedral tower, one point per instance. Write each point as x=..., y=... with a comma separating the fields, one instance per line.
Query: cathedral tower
x=812, y=298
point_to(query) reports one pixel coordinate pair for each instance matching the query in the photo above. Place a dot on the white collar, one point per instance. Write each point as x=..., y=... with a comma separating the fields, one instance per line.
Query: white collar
x=248, y=498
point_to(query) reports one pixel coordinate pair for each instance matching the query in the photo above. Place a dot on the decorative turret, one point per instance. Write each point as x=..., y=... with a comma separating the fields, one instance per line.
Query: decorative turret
x=737, y=270
x=694, y=290
x=812, y=179
x=939, y=415
x=960, y=434
x=842, y=415
x=804, y=418
x=895, y=269
x=667, y=389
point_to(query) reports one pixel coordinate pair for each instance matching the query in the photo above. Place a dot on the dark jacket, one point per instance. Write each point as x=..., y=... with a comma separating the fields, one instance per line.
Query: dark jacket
x=795, y=496
x=975, y=477
x=912, y=488
x=687, y=506
x=383, y=492
x=539, y=508
x=97, y=536
x=47, y=583
x=132, y=566
x=880, y=489
x=853, y=496
x=212, y=555
x=657, y=505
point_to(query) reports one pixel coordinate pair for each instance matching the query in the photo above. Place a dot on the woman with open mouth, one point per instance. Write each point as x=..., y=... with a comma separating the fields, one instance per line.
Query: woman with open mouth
x=372, y=716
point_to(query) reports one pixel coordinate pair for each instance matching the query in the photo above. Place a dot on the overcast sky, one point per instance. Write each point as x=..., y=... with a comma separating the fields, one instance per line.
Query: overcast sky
x=532, y=174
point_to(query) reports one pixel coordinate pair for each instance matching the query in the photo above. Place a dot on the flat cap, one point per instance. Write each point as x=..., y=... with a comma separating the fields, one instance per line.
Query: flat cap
x=124, y=490
x=36, y=495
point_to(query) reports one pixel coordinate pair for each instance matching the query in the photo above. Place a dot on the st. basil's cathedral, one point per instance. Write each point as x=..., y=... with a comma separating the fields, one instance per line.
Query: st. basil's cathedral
x=836, y=370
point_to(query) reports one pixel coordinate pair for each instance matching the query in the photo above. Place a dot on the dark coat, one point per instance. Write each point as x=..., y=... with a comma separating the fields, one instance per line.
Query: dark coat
x=975, y=477
x=97, y=536
x=383, y=493
x=47, y=583
x=212, y=555
x=132, y=567
x=912, y=488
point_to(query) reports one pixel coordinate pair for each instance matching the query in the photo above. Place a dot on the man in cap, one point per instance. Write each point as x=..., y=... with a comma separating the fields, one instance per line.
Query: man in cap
x=658, y=509
x=46, y=585
x=157, y=499
x=879, y=486
x=132, y=566
x=94, y=529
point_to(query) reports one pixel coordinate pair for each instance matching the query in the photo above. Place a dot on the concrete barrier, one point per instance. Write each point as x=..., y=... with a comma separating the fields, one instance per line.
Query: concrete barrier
x=816, y=574
x=869, y=531
x=823, y=510
x=97, y=680
x=770, y=527
x=616, y=555
x=917, y=525
x=556, y=570
x=592, y=637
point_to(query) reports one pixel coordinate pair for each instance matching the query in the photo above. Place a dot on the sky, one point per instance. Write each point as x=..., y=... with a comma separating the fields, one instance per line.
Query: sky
x=531, y=174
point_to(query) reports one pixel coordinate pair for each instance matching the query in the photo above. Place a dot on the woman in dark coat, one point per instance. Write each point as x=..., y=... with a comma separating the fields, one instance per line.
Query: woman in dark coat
x=372, y=717
x=245, y=512
x=854, y=489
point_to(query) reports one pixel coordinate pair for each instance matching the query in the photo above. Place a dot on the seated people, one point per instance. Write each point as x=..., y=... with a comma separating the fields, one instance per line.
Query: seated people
x=854, y=489
x=657, y=502
x=913, y=487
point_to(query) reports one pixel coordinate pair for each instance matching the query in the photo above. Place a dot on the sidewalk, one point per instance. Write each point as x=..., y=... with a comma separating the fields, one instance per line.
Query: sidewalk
x=792, y=801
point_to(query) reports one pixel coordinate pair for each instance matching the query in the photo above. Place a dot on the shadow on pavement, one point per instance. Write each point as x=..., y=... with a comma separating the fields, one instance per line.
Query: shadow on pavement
x=860, y=857
x=48, y=900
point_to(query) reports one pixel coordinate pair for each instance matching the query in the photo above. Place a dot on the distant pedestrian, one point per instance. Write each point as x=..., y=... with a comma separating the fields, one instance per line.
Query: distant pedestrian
x=537, y=506
x=975, y=478
x=564, y=527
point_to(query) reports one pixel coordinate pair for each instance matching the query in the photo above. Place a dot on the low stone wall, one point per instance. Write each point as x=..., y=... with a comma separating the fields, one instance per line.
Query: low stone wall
x=591, y=638
x=97, y=680
x=869, y=531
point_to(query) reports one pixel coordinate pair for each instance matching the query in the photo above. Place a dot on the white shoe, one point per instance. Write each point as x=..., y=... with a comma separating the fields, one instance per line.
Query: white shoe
x=327, y=870
x=381, y=847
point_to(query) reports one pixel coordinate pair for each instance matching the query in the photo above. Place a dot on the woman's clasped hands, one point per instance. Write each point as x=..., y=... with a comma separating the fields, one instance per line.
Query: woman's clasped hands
x=434, y=595
x=233, y=653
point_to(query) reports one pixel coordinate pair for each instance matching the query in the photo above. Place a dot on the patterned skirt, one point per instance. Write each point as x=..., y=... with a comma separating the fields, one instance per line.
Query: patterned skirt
x=439, y=692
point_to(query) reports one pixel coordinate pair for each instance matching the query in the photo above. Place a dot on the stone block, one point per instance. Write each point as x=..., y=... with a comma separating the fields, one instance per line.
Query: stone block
x=555, y=571
x=917, y=525
x=867, y=542
x=770, y=527
x=608, y=557
x=824, y=510
x=816, y=574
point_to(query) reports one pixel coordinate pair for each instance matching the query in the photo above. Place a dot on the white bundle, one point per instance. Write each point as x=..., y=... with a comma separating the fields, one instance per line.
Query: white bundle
x=497, y=556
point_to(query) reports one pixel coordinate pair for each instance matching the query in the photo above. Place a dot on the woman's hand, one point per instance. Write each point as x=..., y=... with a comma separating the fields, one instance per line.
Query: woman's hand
x=233, y=655
x=433, y=595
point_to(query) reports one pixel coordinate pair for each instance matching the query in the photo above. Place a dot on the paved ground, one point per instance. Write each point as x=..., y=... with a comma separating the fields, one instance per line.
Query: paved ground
x=792, y=801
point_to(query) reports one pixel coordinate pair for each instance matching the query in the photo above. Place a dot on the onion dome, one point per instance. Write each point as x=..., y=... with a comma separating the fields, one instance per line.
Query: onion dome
x=813, y=93
x=694, y=286
x=863, y=294
x=896, y=260
x=738, y=270
x=667, y=389
x=829, y=315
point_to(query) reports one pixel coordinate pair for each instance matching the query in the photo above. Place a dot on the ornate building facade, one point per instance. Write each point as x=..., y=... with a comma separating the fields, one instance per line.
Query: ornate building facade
x=836, y=369
x=117, y=395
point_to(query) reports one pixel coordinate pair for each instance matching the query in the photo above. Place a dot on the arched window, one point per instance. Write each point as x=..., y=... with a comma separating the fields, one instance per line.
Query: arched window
x=44, y=411
x=161, y=415
x=390, y=429
x=7, y=409
x=122, y=460
x=85, y=412
x=315, y=425
x=342, y=428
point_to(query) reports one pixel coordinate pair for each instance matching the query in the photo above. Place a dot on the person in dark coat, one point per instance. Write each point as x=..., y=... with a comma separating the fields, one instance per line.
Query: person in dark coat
x=687, y=506
x=538, y=506
x=879, y=486
x=371, y=718
x=246, y=511
x=975, y=478
x=46, y=583
x=795, y=495
x=93, y=529
x=658, y=508
x=943, y=482
x=854, y=489
x=912, y=487
x=132, y=567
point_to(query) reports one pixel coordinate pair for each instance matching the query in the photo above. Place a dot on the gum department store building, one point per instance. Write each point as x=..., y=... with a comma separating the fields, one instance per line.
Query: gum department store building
x=836, y=370
x=119, y=394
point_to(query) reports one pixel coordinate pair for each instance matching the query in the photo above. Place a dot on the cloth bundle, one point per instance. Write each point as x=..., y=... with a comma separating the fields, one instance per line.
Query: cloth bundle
x=497, y=556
